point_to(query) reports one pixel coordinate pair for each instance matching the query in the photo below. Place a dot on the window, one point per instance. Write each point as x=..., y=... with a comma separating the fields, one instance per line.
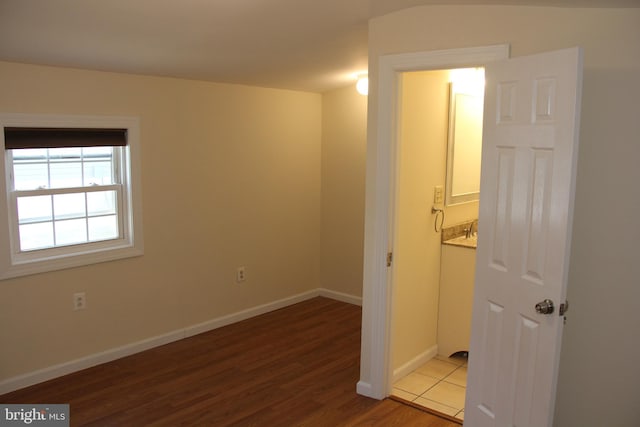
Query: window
x=72, y=192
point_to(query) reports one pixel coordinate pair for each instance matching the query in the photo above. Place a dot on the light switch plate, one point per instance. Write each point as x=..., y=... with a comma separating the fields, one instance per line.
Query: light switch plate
x=438, y=194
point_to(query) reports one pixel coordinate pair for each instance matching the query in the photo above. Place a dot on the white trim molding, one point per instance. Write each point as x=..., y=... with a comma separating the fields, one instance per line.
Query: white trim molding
x=340, y=296
x=266, y=308
x=414, y=363
x=41, y=375
x=130, y=243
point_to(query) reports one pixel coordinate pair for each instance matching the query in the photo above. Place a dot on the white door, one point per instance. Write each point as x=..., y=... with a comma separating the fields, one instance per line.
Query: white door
x=526, y=205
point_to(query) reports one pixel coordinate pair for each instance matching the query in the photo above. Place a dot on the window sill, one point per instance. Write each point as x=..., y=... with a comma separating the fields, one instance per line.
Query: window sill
x=25, y=268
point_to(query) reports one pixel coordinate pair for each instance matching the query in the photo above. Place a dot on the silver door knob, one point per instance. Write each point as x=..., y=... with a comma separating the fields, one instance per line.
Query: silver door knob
x=545, y=307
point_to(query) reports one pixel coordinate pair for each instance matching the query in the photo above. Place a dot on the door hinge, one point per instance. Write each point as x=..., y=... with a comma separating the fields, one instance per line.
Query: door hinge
x=389, y=258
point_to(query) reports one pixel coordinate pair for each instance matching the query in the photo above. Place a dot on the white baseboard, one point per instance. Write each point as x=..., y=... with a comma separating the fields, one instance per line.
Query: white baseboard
x=340, y=296
x=219, y=322
x=365, y=389
x=415, y=363
x=45, y=374
x=65, y=368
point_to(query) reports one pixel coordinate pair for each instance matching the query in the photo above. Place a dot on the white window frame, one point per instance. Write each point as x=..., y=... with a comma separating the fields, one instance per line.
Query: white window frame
x=13, y=262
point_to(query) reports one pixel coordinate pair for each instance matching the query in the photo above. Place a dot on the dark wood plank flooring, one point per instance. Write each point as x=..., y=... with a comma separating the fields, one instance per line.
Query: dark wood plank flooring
x=297, y=366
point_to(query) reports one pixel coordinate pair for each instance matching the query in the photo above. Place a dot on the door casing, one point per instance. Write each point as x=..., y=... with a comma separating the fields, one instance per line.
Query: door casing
x=375, y=363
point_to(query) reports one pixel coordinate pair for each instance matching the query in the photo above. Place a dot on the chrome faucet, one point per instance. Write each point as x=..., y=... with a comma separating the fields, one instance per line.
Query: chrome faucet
x=469, y=230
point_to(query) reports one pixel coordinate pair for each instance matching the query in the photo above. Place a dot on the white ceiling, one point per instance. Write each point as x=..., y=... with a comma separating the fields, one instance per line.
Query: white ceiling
x=311, y=45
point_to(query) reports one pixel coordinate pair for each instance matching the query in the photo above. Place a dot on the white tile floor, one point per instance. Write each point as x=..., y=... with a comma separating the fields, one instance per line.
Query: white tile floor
x=439, y=384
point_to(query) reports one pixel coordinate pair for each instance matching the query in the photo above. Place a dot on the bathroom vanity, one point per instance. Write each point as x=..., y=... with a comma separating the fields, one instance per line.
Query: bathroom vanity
x=457, y=271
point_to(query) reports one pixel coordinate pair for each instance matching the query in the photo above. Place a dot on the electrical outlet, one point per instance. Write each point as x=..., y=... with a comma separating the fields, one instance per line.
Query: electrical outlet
x=241, y=274
x=79, y=301
x=438, y=194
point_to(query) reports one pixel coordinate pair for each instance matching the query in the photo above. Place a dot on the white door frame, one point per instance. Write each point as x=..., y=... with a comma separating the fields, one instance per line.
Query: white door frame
x=382, y=148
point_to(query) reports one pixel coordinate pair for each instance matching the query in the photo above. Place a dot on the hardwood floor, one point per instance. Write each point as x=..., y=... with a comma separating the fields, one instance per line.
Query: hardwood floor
x=297, y=366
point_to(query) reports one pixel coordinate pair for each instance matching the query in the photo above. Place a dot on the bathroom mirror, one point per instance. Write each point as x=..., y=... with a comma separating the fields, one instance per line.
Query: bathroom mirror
x=464, y=147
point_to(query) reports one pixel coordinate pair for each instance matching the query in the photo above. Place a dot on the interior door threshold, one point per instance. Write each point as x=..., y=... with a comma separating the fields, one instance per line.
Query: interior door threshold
x=425, y=409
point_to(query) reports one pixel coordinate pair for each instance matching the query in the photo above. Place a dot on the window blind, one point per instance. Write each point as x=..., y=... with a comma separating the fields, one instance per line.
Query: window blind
x=28, y=137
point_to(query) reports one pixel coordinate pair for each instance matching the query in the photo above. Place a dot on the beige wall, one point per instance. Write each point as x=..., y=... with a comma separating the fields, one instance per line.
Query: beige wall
x=416, y=246
x=605, y=266
x=230, y=177
x=344, y=144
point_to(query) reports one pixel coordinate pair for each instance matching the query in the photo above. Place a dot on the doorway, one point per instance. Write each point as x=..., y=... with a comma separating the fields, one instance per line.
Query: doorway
x=529, y=159
x=376, y=379
x=432, y=282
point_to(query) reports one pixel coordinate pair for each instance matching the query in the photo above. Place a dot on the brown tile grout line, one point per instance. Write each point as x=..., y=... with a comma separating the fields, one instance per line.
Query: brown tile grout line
x=422, y=394
x=439, y=381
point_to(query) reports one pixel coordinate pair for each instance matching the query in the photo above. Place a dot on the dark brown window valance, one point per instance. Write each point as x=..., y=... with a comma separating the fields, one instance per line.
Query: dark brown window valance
x=26, y=137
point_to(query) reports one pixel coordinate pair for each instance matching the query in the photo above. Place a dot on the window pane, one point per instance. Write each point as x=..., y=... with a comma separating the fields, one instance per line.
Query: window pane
x=62, y=154
x=34, y=209
x=98, y=173
x=103, y=228
x=103, y=153
x=30, y=155
x=64, y=175
x=36, y=236
x=101, y=203
x=30, y=176
x=71, y=231
x=67, y=206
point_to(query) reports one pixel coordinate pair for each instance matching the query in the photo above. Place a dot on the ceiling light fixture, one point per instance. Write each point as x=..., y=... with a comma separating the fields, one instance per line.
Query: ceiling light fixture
x=468, y=80
x=362, y=86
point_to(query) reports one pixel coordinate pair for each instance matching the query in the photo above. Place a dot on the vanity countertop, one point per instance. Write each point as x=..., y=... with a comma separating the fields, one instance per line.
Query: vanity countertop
x=456, y=235
x=471, y=242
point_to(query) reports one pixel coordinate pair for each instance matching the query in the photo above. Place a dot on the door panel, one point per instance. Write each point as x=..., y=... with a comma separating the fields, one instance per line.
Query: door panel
x=526, y=204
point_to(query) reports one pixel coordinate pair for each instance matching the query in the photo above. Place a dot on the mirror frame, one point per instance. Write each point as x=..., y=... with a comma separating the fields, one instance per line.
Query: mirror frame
x=450, y=197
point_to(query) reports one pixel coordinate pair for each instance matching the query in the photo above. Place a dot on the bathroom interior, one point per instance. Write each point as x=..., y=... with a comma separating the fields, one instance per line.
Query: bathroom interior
x=435, y=235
